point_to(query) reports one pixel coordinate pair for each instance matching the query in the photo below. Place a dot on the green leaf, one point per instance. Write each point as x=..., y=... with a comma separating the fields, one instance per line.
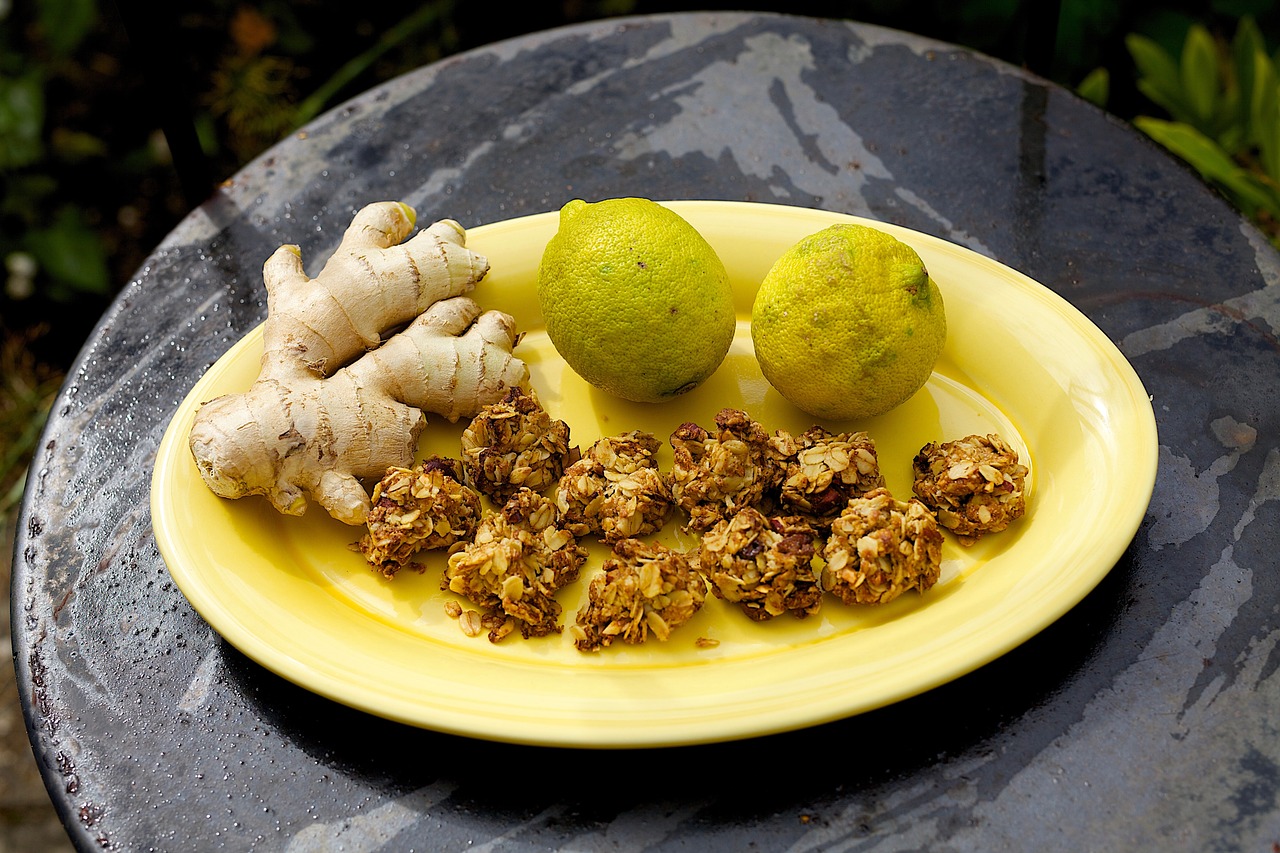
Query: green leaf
x=1159, y=77
x=1264, y=113
x=1213, y=164
x=67, y=22
x=1231, y=138
x=425, y=15
x=75, y=146
x=1199, y=75
x=1096, y=87
x=1252, y=195
x=71, y=253
x=21, y=121
x=1245, y=47
x=24, y=195
x=1189, y=144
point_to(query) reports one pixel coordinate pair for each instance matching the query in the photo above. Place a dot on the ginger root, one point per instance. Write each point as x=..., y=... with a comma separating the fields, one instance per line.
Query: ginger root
x=335, y=404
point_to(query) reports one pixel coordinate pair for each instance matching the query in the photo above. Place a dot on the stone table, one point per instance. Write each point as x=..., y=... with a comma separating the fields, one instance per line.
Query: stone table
x=1143, y=718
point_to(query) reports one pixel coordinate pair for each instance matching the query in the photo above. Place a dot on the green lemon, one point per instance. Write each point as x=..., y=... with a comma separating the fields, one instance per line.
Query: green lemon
x=847, y=323
x=635, y=300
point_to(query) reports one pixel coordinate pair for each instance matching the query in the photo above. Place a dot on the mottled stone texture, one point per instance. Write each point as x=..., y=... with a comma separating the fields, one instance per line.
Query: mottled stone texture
x=1144, y=718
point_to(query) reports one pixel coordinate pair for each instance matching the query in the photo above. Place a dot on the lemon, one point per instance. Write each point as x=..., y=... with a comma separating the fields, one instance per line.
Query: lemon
x=635, y=300
x=847, y=323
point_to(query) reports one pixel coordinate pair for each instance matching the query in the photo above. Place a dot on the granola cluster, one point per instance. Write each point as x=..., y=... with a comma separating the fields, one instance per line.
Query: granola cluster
x=514, y=444
x=881, y=547
x=644, y=588
x=616, y=490
x=765, y=565
x=825, y=470
x=782, y=521
x=715, y=475
x=974, y=484
x=423, y=508
x=518, y=559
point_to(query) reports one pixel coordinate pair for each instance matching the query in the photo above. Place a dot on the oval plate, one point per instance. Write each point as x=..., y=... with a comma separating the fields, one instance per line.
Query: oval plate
x=1019, y=360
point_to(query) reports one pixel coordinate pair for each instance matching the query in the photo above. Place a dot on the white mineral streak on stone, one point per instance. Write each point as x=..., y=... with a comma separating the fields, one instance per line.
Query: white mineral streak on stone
x=1268, y=490
x=441, y=178
x=197, y=692
x=1081, y=798
x=495, y=844
x=92, y=678
x=868, y=38
x=365, y=833
x=764, y=139
x=684, y=34
x=1187, y=501
x=871, y=37
x=957, y=235
x=634, y=831
x=1146, y=717
x=906, y=819
x=1258, y=305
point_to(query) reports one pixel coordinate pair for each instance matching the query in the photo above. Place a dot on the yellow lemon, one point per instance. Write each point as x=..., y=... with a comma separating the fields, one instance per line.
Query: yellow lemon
x=635, y=300
x=847, y=323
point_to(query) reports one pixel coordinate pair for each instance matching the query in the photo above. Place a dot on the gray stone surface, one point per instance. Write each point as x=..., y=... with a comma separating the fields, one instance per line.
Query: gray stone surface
x=1144, y=718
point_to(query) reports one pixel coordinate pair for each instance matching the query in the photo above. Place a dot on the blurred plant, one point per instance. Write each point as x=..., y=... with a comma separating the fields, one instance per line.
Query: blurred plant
x=280, y=64
x=83, y=186
x=46, y=242
x=250, y=91
x=1086, y=31
x=411, y=27
x=254, y=95
x=1096, y=87
x=1223, y=102
x=27, y=389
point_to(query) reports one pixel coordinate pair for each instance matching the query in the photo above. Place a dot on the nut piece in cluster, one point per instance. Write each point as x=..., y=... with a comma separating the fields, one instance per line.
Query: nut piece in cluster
x=512, y=444
x=974, y=484
x=418, y=509
x=827, y=470
x=615, y=491
x=879, y=548
x=519, y=558
x=765, y=565
x=644, y=588
x=714, y=476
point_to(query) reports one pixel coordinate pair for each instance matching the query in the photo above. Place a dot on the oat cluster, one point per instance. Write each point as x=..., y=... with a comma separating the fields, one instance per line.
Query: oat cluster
x=512, y=444
x=518, y=559
x=418, y=509
x=715, y=474
x=824, y=471
x=765, y=565
x=616, y=490
x=974, y=484
x=643, y=589
x=881, y=547
x=783, y=521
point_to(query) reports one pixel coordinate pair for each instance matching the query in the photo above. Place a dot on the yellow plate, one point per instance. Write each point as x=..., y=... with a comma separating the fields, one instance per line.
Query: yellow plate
x=1019, y=361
